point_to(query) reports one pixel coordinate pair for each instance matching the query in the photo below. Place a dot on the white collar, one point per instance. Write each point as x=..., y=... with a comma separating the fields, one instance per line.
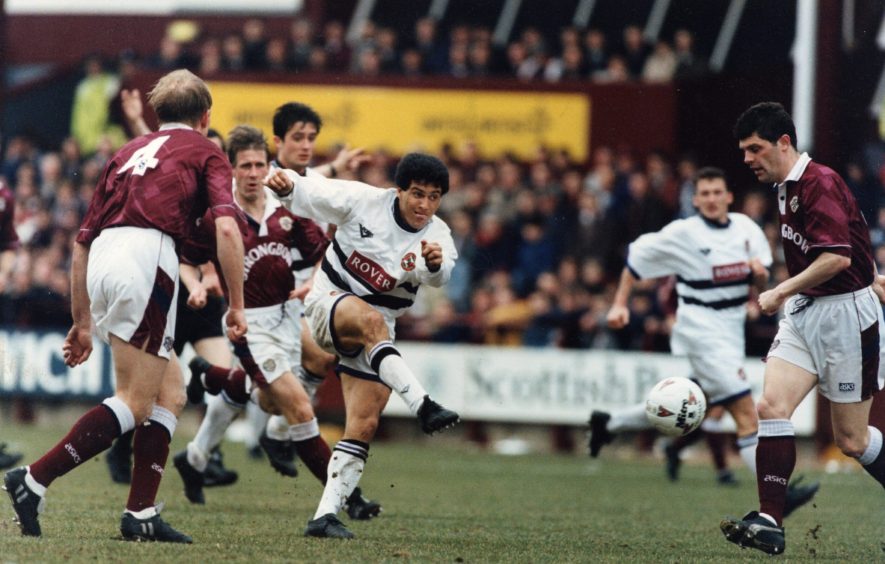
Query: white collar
x=797, y=170
x=271, y=203
x=175, y=125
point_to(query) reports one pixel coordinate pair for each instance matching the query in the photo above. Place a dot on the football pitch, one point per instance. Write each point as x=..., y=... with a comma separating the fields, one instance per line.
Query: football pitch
x=446, y=502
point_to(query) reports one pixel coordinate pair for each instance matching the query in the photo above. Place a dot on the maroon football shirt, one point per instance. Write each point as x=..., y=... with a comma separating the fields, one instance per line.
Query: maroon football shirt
x=164, y=180
x=272, y=253
x=8, y=237
x=819, y=213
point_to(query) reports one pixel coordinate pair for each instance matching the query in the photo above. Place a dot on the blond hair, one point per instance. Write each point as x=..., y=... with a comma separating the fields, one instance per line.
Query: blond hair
x=180, y=96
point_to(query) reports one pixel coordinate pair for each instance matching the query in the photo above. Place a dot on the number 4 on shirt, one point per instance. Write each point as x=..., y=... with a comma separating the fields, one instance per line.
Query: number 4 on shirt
x=144, y=159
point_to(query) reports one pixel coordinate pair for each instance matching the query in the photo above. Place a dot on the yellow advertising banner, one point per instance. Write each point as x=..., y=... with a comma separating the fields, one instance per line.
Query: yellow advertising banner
x=400, y=120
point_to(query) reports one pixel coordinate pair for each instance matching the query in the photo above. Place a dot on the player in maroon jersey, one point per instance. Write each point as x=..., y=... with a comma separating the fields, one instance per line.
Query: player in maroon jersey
x=830, y=336
x=123, y=286
x=9, y=244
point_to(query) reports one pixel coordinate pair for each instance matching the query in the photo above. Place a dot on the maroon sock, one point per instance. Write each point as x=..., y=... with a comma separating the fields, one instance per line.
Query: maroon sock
x=215, y=377
x=90, y=435
x=151, y=449
x=235, y=386
x=315, y=454
x=717, y=443
x=775, y=460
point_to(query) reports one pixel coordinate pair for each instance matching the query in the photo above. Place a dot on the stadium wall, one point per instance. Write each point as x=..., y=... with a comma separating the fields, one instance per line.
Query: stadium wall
x=512, y=385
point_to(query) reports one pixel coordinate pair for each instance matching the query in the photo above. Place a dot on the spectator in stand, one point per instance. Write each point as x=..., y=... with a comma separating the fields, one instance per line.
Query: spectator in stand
x=337, y=51
x=615, y=72
x=634, y=50
x=275, y=55
x=386, y=46
x=90, y=114
x=170, y=56
x=660, y=66
x=688, y=63
x=457, y=64
x=254, y=44
x=433, y=52
x=318, y=61
x=570, y=66
x=233, y=55
x=479, y=59
x=300, y=44
x=412, y=63
x=210, y=57
x=595, y=51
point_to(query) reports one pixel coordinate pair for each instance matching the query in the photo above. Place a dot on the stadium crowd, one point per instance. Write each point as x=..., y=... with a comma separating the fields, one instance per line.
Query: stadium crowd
x=541, y=242
x=466, y=51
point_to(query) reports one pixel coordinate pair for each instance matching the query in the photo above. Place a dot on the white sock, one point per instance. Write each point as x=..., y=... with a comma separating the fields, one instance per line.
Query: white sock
x=873, y=448
x=393, y=371
x=257, y=421
x=277, y=428
x=747, y=450
x=345, y=469
x=34, y=485
x=304, y=431
x=145, y=513
x=712, y=426
x=219, y=415
x=629, y=419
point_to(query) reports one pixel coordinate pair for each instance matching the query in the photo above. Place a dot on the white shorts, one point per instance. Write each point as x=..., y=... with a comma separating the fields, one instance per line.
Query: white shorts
x=319, y=312
x=272, y=345
x=721, y=376
x=132, y=281
x=838, y=338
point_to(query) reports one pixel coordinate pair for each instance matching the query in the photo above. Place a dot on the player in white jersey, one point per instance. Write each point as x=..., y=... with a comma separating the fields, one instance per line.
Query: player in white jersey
x=387, y=244
x=716, y=257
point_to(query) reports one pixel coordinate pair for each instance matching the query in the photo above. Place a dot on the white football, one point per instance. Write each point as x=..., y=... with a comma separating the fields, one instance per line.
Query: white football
x=676, y=406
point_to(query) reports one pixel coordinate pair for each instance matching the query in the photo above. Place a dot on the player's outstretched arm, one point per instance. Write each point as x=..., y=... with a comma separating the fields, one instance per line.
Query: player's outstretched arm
x=759, y=274
x=347, y=159
x=229, y=245
x=78, y=343
x=619, y=315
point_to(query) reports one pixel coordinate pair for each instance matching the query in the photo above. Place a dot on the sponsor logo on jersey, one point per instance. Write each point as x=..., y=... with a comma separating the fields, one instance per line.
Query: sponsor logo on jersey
x=408, y=262
x=365, y=233
x=797, y=238
x=731, y=272
x=286, y=223
x=846, y=386
x=370, y=272
x=271, y=248
x=794, y=204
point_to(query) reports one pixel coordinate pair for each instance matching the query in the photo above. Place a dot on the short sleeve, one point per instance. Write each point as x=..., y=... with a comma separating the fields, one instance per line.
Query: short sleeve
x=826, y=215
x=652, y=255
x=218, y=175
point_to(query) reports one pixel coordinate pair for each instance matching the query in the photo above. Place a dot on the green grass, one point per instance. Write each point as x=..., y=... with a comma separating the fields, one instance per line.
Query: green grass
x=444, y=502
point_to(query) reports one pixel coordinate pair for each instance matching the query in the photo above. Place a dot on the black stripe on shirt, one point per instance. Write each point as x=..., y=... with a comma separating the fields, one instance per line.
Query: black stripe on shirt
x=718, y=304
x=381, y=300
x=707, y=284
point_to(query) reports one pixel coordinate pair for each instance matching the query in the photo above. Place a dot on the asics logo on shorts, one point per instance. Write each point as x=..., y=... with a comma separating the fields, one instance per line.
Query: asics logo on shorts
x=846, y=386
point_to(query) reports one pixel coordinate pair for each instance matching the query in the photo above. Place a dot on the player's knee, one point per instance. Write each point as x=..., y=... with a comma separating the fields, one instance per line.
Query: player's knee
x=850, y=444
x=363, y=428
x=374, y=326
x=770, y=410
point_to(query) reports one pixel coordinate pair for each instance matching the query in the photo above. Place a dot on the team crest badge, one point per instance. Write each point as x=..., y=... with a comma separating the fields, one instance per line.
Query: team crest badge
x=286, y=223
x=168, y=343
x=269, y=365
x=408, y=262
x=794, y=204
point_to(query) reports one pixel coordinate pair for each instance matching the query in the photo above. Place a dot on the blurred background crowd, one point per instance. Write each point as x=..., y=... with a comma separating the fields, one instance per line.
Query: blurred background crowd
x=541, y=240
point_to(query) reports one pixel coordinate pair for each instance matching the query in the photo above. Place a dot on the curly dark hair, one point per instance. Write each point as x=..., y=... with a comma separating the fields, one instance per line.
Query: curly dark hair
x=423, y=169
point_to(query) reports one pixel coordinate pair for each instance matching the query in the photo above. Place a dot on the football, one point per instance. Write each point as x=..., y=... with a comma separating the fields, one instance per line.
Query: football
x=676, y=406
